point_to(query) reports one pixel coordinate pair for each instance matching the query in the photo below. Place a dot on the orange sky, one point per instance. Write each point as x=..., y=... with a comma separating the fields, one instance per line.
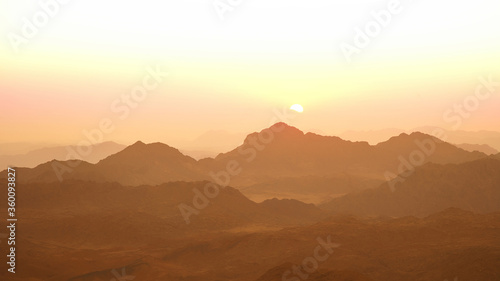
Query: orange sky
x=233, y=74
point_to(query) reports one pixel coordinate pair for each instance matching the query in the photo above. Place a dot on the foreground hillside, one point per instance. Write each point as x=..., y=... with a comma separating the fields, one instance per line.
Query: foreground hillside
x=115, y=242
x=96, y=231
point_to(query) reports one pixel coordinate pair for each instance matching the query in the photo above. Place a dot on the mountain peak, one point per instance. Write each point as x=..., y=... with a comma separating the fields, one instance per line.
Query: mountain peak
x=280, y=124
x=420, y=134
x=141, y=152
x=279, y=130
x=284, y=127
x=404, y=138
x=154, y=148
x=138, y=144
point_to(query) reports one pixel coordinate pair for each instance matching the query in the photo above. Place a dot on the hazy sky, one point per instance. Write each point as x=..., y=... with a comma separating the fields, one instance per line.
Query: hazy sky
x=78, y=63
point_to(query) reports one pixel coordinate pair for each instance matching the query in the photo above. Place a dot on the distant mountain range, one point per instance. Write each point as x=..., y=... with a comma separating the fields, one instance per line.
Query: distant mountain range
x=61, y=153
x=490, y=138
x=19, y=148
x=289, y=162
x=151, y=210
x=484, y=148
x=473, y=186
x=293, y=153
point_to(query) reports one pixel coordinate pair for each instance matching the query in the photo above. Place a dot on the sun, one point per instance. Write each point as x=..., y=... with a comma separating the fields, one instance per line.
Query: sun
x=297, y=107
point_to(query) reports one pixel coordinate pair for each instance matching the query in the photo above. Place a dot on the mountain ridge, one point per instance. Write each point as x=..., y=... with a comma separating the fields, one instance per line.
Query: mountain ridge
x=275, y=152
x=432, y=187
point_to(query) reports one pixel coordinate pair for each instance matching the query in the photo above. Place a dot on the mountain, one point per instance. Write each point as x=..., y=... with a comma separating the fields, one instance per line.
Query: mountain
x=473, y=186
x=77, y=212
x=13, y=148
x=289, y=152
x=284, y=151
x=149, y=212
x=137, y=164
x=36, y=157
x=153, y=163
x=280, y=161
x=431, y=148
x=490, y=138
x=96, y=231
x=484, y=148
x=55, y=170
x=76, y=218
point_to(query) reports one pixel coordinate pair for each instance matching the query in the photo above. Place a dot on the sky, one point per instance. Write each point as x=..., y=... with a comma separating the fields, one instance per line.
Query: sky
x=68, y=68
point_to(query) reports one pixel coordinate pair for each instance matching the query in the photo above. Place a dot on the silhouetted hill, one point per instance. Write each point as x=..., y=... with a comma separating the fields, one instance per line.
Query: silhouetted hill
x=471, y=186
x=76, y=212
x=443, y=153
x=135, y=165
x=275, y=155
x=490, y=138
x=48, y=172
x=284, y=151
x=140, y=230
x=18, y=148
x=290, y=152
x=153, y=163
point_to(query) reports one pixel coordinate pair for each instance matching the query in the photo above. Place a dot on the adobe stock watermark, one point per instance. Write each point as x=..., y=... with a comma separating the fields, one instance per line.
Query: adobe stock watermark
x=310, y=264
x=222, y=7
x=427, y=147
x=121, y=277
x=121, y=107
x=251, y=148
x=373, y=28
x=48, y=9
